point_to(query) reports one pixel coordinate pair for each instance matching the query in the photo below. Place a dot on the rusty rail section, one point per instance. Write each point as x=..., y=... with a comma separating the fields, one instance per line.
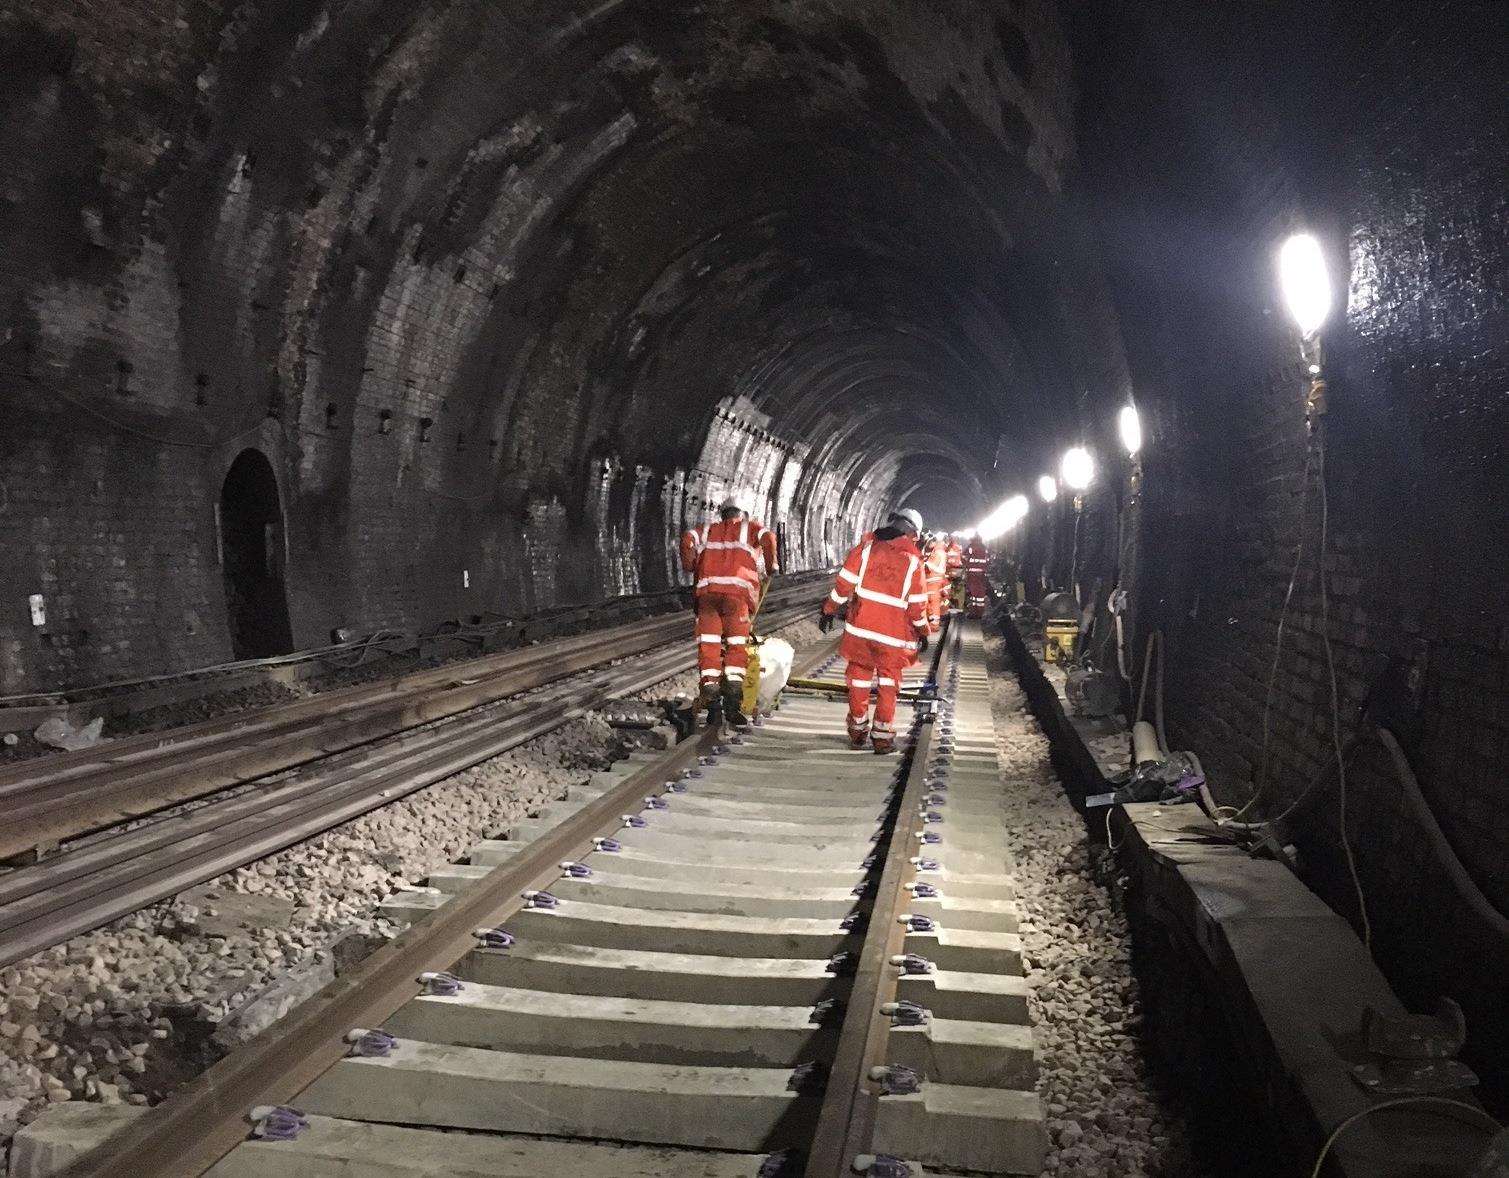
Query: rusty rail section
x=198, y=1125
x=87, y=886
x=51, y=800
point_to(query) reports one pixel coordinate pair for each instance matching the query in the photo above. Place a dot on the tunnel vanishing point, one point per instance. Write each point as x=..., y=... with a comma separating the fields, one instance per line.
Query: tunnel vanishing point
x=374, y=315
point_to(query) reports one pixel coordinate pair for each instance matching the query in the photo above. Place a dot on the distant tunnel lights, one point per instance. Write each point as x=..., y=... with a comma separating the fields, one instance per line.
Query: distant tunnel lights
x=1130, y=427
x=1305, y=282
x=1003, y=518
x=1047, y=487
x=1077, y=469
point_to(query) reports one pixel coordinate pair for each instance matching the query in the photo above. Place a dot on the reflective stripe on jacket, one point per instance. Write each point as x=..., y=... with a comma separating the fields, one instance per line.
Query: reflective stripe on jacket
x=884, y=585
x=729, y=557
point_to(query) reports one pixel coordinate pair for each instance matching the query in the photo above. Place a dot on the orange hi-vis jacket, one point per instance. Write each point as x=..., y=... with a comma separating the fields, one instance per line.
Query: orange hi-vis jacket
x=728, y=558
x=888, y=588
x=954, y=554
x=935, y=564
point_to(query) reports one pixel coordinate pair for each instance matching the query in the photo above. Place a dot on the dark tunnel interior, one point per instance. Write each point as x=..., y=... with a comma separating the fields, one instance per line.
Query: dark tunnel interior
x=468, y=308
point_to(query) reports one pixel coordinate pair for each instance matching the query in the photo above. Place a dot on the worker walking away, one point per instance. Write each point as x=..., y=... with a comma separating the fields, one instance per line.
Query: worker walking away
x=884, y=585
x=976, y=580
x=954, y=553
x=727, y=560
x=935, y=566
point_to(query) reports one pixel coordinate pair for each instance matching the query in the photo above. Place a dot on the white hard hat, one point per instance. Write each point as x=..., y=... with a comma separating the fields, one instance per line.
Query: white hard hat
x=911, y=517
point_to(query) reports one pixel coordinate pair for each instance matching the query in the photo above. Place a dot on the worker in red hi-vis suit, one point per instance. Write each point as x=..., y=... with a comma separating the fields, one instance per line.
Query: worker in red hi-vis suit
x=884, y=585
x=935, y=566
x=976, y=583
x=727, y=560
x=954, y=556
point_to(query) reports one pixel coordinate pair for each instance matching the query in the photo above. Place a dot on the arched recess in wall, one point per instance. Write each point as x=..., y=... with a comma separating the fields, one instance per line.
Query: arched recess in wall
x=251, y=558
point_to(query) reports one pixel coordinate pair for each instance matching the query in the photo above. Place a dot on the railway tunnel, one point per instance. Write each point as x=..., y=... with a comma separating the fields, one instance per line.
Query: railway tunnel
x=363, y=364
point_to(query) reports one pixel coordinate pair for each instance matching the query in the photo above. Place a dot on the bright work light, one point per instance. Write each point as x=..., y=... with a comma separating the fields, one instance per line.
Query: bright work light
x=1003, y=518
x=1305, y=282
x=1077, y=469
x=1047, y=487
x=1130, y=426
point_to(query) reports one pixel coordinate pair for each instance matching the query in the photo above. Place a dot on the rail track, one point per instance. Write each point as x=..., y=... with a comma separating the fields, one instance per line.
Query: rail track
x=268, y=779
x=771, y=956
x=50, y=800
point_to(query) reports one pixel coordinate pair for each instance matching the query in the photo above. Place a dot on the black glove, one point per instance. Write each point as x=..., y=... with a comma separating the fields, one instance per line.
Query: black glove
x=825, y=622
x=922, y=644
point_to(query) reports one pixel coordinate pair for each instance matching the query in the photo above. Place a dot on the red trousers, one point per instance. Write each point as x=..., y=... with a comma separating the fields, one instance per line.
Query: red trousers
x=935, y=606
x=722, y=620
x=880, y=667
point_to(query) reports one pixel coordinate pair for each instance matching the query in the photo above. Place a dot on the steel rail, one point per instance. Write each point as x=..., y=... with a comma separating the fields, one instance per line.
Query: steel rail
x=846, y=1119
x=81, y=890
x=193, y=1129
x=75, y=794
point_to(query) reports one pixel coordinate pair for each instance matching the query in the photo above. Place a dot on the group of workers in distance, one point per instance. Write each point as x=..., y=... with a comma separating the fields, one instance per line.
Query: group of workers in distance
x=897, y=585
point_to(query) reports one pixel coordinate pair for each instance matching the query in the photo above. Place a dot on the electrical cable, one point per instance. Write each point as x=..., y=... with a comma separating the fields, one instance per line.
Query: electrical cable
x=1481, y=1120
x=1341, y=766
x=1278, y=647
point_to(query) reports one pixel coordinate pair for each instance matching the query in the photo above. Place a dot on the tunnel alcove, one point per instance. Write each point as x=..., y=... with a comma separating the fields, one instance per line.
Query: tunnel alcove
x=251, y=546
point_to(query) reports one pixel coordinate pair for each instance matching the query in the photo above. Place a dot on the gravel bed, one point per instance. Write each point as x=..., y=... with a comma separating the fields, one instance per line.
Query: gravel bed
x=1106, y=1116
x=125, y=1013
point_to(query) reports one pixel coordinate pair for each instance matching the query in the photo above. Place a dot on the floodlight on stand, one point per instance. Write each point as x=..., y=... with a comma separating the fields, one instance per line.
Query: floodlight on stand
x=1047, y=487
x=1129, y=425
x=1077, y=468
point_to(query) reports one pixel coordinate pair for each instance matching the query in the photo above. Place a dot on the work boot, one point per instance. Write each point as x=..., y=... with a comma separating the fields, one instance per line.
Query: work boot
x=883, y=745
x=732, y=711
x=709, y=693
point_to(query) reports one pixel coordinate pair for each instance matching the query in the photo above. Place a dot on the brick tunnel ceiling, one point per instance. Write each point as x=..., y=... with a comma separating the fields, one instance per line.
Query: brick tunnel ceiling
x=579, y=235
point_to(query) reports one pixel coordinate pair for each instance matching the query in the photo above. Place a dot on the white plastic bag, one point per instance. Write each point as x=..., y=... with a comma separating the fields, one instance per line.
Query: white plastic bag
x=58, y=733
x=776, y=655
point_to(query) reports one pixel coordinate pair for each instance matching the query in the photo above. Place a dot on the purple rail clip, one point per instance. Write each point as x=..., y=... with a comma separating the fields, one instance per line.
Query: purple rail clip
x=826, y=1012
x=277, y=1122
x=441, y=985
x=707, y=760
x=922, y=864
x=931, y=816
x=611, y=846
x=896, y=1079
x=534, y=899
x=655, y=802
x=905, y=1014
x=842, y=963
x=782, y=1164
x=688, y=774
x=493, y=938
x=918, y=924
x=860, y=889
x=935, y=800
x=853, y=921
x=370, y=1044
x=882, y=1165
x=911, y=964
x=931, y=837
x=634, y=821
x=924, y=891
x=674, y=787
x=807, y=1078
x=570, y=870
